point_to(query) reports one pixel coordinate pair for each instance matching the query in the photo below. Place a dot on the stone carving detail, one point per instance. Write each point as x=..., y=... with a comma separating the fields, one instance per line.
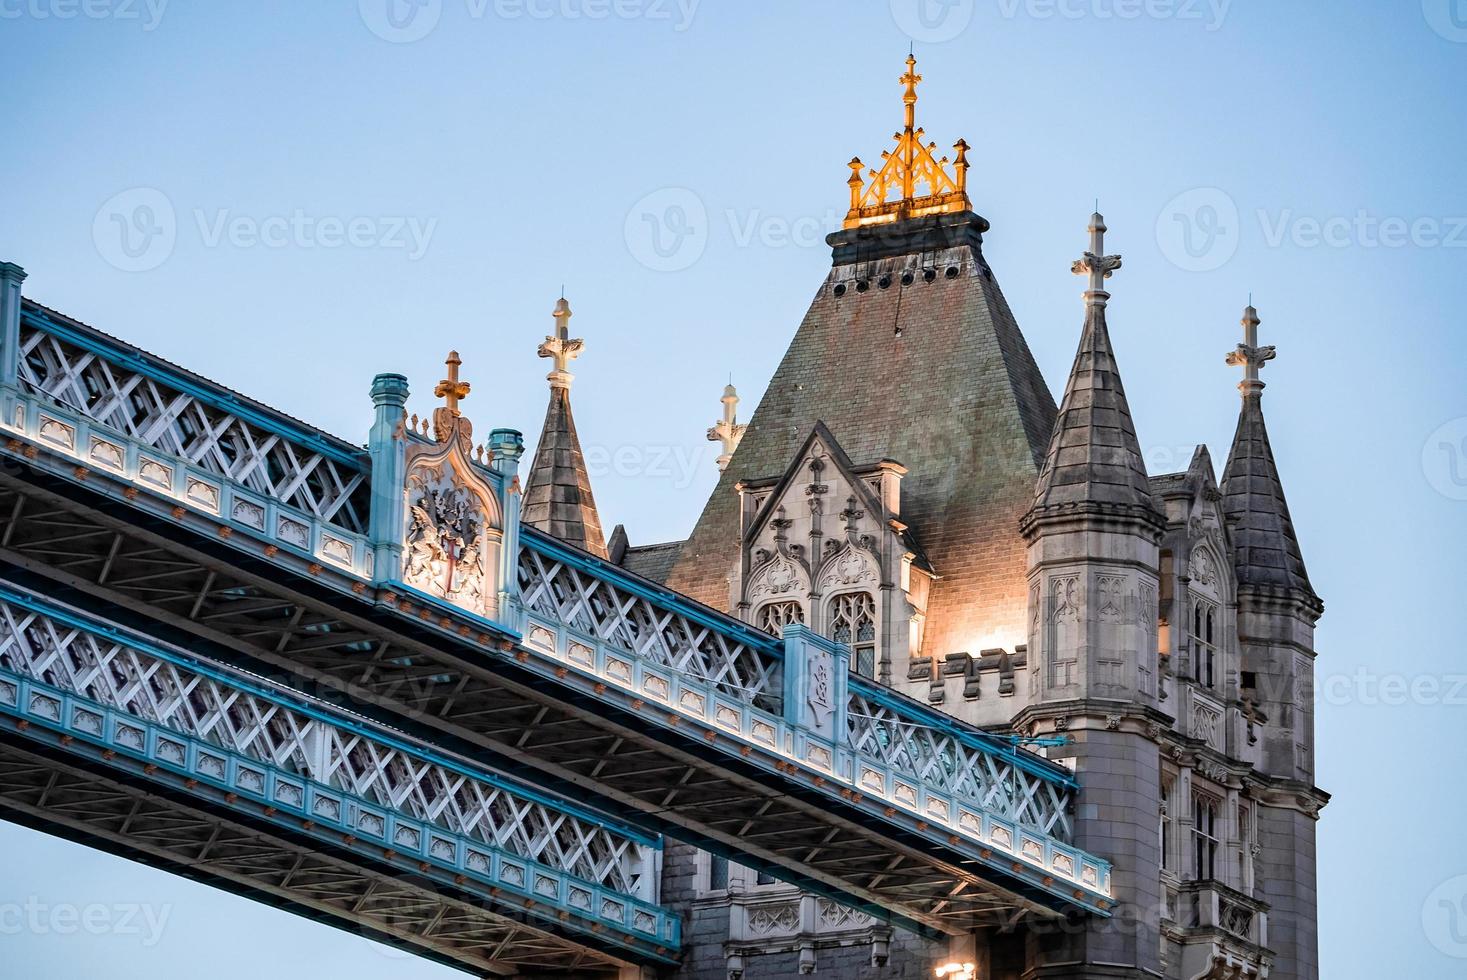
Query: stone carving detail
x=767, y=919
x=445, y=554
x=1112, y=599
x=818, y=696
x=849, y=567
x=779, y=576
x=1203, y=569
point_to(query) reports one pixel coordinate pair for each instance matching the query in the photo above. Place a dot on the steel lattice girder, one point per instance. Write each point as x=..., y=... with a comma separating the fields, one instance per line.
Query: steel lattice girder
x=103, y=804
x=329, y=774
x=411, y=674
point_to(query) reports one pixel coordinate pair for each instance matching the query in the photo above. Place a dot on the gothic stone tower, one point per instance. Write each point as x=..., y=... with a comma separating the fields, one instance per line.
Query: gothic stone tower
x=907, y=487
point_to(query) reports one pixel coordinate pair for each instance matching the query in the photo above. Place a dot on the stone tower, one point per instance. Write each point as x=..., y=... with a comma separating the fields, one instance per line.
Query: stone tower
x=1093, y=576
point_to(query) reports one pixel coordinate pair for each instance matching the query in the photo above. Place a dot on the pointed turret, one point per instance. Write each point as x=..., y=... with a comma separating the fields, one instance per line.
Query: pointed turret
x=1264, y=544
x=1094, y=457
x=558, y=497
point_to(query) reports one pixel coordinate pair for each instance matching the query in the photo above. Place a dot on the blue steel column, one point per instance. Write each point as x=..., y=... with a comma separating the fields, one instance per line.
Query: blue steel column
x=816, y=671
x=508, y=446
x=387, y=446
x=11, y=276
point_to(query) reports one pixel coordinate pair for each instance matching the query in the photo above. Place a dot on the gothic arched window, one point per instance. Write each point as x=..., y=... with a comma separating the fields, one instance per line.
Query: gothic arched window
x=853, y=622
x=773, y=617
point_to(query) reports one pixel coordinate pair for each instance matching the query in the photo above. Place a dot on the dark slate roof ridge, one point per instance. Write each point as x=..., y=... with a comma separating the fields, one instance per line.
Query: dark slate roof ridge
x=1094, y=457
x=1265, y=546
x=558, y=496
x=226, y=392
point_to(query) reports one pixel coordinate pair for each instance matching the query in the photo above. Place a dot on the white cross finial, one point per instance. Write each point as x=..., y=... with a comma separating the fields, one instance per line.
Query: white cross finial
x=1249, y=356
x=1096, y=264
x=560, y=348
x=728, y=431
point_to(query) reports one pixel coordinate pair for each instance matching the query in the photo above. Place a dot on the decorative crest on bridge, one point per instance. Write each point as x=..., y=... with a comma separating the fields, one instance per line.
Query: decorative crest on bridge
x=454, y=522
x=911, y=165
x=447, y=417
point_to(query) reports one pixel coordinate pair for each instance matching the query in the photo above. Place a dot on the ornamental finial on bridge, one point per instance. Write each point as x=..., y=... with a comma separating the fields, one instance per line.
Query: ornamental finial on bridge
x=560, y=348
x=1249, y=356
x=911, y=165
x=1096, y=264
x=452, y=391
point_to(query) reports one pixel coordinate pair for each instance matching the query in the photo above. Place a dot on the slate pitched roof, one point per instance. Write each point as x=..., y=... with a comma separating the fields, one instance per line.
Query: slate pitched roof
x=1265, y=547
x=932, y=372
x=558, y=498
x=1094, y=456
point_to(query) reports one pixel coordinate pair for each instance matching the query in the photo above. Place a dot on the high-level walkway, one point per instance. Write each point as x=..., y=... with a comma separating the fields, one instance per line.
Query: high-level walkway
x=183, y=563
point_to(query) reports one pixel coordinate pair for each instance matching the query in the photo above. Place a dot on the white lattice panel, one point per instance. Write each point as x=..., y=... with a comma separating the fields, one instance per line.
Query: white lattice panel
x=649, y=630
x=183, y=425
x=942, y=760
x=243, y=721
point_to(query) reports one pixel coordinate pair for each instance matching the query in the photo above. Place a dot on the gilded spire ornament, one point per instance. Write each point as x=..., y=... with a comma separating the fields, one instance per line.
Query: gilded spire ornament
x=452, y=390
x=892, y=193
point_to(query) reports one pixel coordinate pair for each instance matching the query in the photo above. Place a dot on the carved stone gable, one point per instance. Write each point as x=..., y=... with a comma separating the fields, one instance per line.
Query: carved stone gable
x=446, y=550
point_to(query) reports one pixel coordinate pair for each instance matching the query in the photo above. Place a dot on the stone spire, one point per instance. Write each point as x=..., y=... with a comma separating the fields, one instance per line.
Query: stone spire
x=728, y=431
x=1264, y=543
x=1094, y=457
x=558, y=498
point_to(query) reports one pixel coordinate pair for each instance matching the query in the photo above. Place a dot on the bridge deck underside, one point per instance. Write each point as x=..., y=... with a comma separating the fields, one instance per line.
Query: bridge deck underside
x=346, y=649
x=53, y=790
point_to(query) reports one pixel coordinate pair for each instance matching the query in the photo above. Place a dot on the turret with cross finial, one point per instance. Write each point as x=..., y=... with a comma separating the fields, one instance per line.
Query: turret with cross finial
x=560, y=348
x=728, y=431
x=1096, y=264
x=1249, y=356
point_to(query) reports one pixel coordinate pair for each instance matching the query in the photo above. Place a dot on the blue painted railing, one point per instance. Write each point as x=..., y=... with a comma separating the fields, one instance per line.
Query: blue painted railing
x=183, y=716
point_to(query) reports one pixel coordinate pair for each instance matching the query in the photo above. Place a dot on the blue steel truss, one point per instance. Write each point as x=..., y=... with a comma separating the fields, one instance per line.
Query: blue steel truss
x=322, y=773
x=977, y=795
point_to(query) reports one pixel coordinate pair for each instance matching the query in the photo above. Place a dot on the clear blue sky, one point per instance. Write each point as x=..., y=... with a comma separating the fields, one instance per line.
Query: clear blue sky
x=1308, y=151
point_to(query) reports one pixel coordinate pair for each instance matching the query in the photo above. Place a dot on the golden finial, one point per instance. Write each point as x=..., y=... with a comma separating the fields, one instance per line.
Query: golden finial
x=911, y=165
x=452, y=391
